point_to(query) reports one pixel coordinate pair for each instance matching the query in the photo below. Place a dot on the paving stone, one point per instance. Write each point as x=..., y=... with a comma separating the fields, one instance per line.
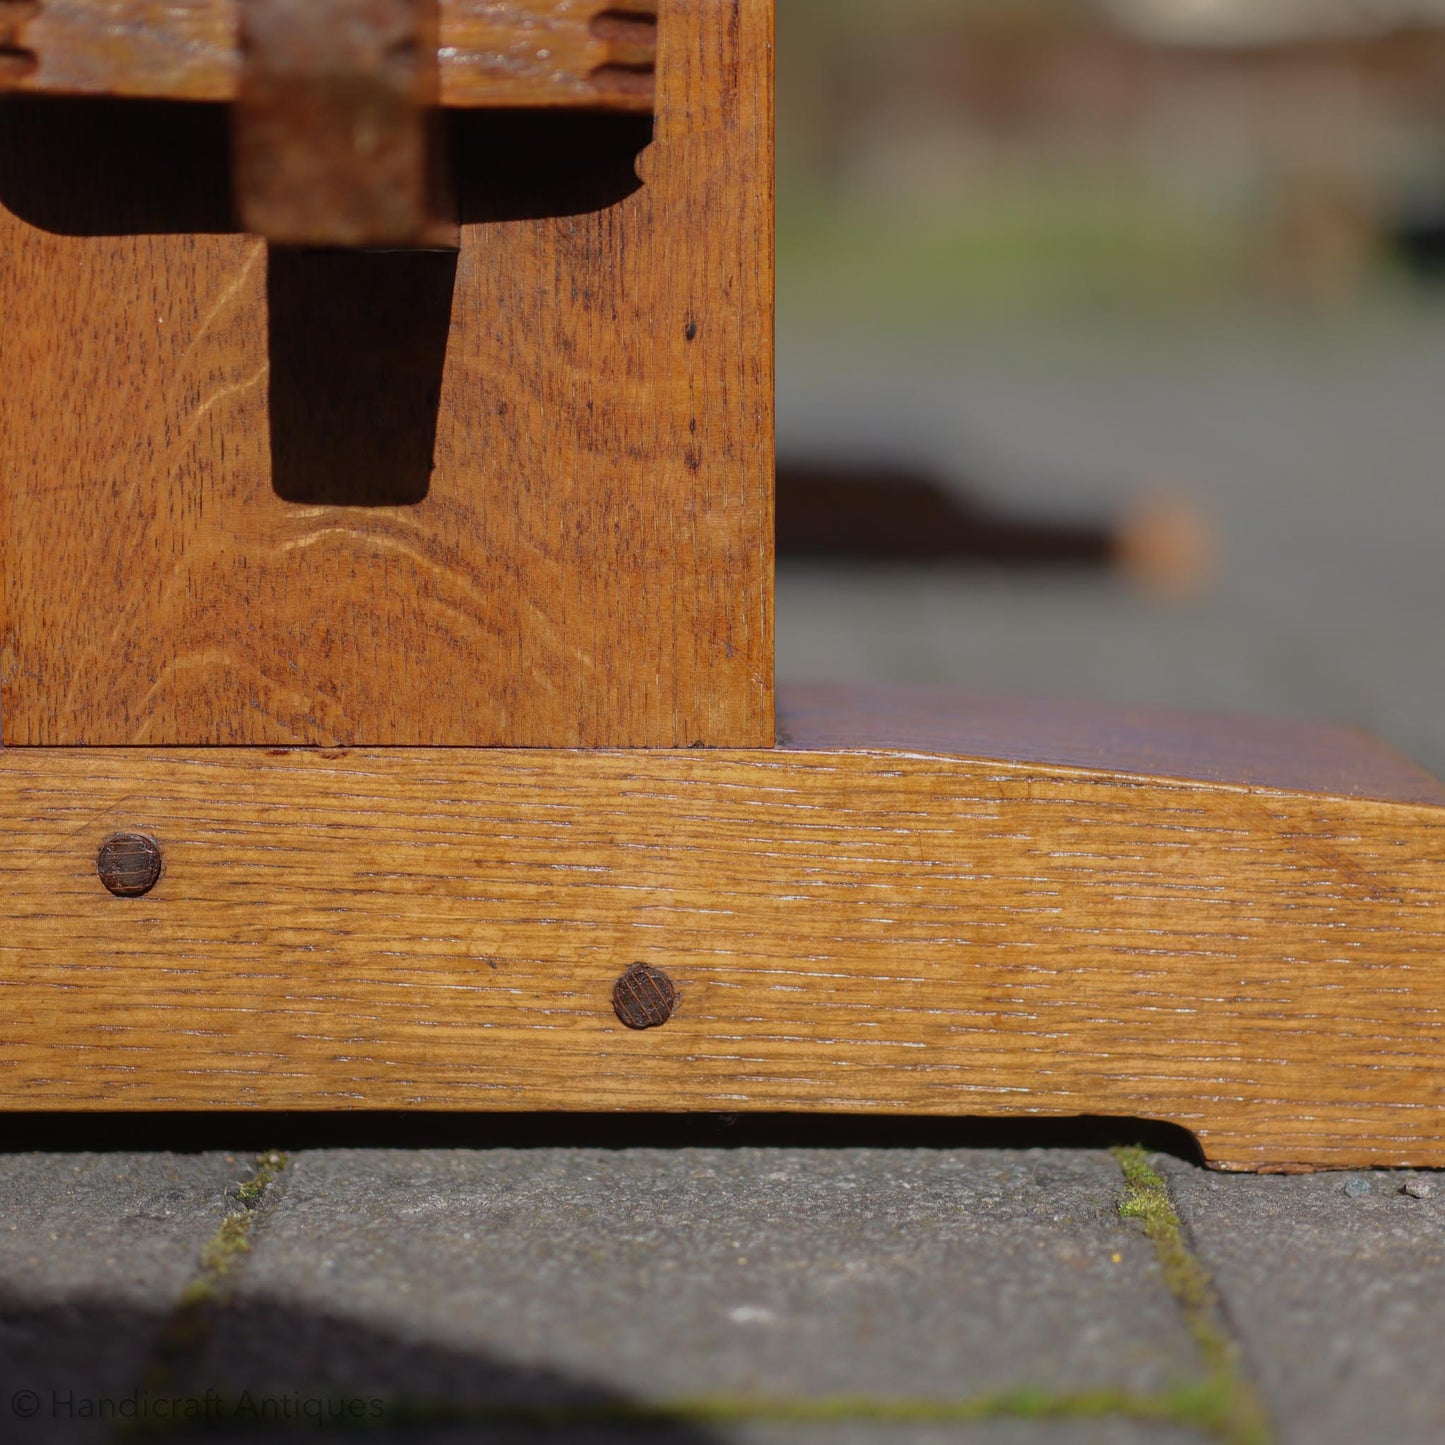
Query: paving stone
x=94, y=1251
x=648, y=1275
x=1335, y=1283
x=1002, y=1432
x=1008, y=1432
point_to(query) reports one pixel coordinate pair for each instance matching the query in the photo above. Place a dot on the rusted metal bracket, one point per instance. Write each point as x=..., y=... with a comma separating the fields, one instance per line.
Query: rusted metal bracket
x=336, y=130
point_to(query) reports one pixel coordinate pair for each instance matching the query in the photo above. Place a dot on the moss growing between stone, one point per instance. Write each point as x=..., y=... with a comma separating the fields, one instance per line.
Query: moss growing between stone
x=1242, y=1419
x=1222, y=1405
x=233, y=1238
x=185, y=1334
x=268, y=1166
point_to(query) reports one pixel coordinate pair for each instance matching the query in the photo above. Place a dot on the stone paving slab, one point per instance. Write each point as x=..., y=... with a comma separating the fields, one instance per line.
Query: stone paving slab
x=621, y=1277
x=1003, y=1432
x=647, y=1275
x=95, y=1249
x=1335, y=1285
x=1024, y=1432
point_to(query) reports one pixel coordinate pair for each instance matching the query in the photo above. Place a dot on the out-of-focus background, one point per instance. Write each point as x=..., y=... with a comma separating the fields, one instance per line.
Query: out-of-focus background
x=1112, y=351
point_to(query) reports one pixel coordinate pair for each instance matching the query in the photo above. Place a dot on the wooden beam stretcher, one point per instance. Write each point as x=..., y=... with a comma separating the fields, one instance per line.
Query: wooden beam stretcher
x=592, y=54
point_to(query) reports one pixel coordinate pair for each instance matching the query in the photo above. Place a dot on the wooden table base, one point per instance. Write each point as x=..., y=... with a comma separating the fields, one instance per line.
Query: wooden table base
x=986, y=910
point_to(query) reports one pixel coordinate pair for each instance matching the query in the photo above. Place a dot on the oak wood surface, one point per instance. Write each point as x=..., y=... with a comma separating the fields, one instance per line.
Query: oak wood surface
x=883, y=930
x=1236, y=749
x=596, y=54
x=520, y=496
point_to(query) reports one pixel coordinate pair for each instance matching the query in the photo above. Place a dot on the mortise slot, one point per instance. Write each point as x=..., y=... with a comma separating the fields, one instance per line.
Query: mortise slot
x=631, y=39
x=358, y=344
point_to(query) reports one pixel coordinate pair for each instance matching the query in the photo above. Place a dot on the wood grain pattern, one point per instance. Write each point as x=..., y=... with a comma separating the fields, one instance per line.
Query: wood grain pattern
x=882, y=931
x=494, y=52
x=522, y=496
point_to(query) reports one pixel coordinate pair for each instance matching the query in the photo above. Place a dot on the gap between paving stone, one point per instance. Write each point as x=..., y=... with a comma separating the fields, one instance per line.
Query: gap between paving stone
x=1236, y=1411
x=1224, y=1405
x=188, y=1328
x=1334, y=1284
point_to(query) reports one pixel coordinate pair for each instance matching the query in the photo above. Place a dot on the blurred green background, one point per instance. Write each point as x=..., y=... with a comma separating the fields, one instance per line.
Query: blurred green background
x=997, y=158
x=1090, y=264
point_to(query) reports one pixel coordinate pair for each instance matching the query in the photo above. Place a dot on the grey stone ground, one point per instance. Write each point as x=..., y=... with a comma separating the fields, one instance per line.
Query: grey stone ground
x=751, y=1271
x=95, y=1250
x=1336, y=1286
x=940, y=1270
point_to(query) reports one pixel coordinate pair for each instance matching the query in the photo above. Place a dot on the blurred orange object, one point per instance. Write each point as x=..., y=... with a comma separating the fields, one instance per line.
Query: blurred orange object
x=1167, y=546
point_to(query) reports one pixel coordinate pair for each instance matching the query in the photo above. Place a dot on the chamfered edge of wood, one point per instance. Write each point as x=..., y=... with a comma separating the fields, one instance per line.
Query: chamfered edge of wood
x=593, y=54
x=864, y=931
x=1230, y=749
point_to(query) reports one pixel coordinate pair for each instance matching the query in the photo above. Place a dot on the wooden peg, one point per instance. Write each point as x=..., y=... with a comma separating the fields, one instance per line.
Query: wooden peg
x=335, y=130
